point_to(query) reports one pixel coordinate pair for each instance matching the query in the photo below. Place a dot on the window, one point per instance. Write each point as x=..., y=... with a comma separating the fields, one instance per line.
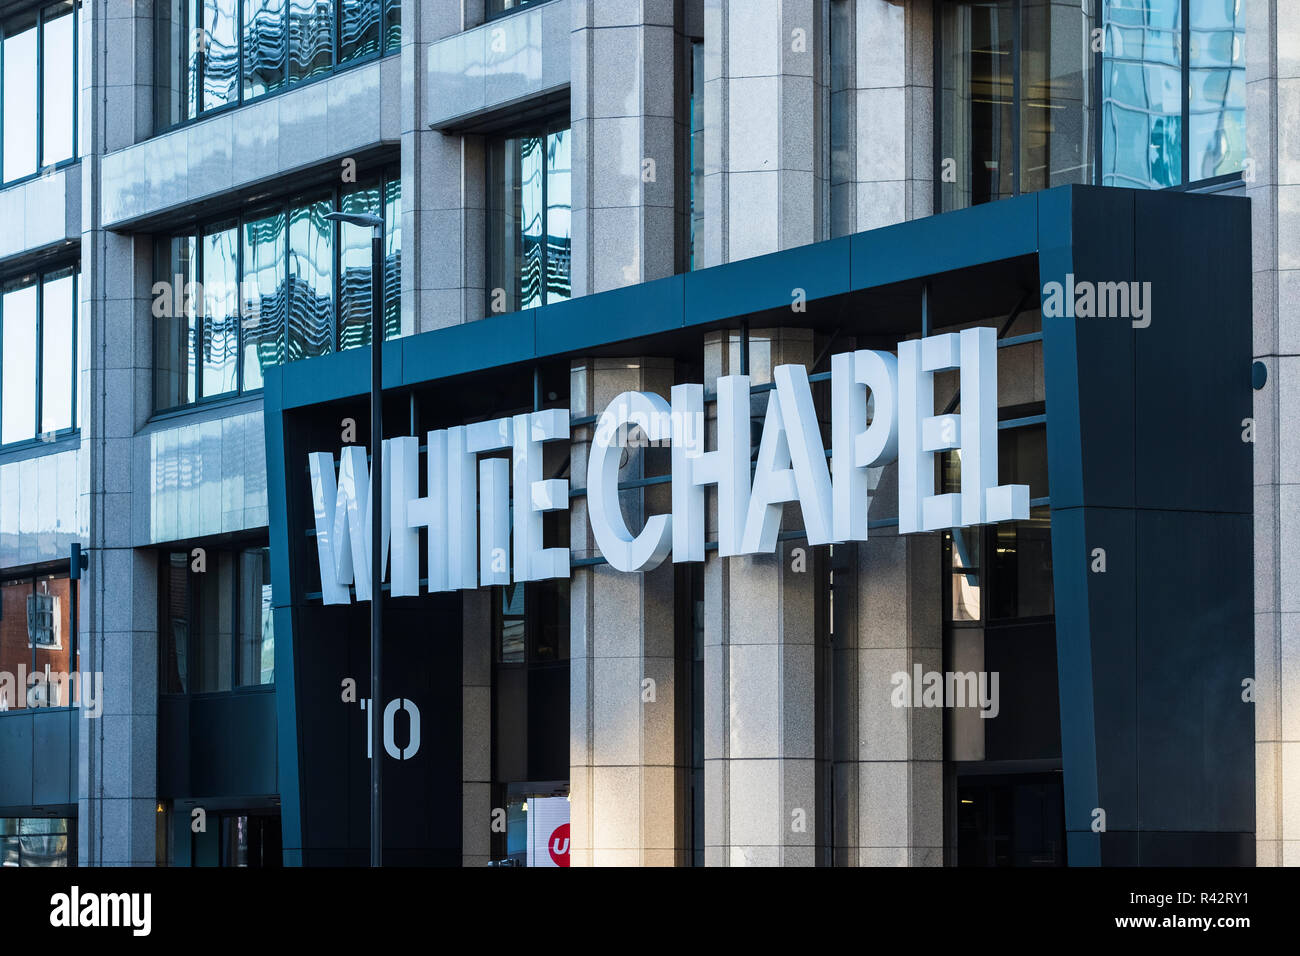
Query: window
x=239, y=296
x=529, y=212
x=212, y=54
x=38, y=841
x=696, y=225
x=39, y=80
x=1144, y=114
x=498, y=8
x=216, y=626
x=38, y=357
x=35, y=638
x=1019, y=80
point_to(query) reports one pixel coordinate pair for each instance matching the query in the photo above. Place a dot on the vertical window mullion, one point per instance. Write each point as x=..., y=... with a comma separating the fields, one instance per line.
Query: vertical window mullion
x=39, y=373
x=1016, y=97
x=1186, y=95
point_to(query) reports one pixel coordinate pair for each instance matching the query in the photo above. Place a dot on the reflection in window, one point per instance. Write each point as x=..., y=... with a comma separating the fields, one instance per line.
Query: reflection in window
x=264, y=296
x=58, y=78
x=220, y=53
x=37, y=841
x=1216, y=127
x=311, y=38
x=38, y=348
x=36, y=633
x=216, y=626
x=200, y=46
x=220, y=325
x=265, y=42
x=530, y=229
x=1142, y=107
x=282, y=306
x=311, y=281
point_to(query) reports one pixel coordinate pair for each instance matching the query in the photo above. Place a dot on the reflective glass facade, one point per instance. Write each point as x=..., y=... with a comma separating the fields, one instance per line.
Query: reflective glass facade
x=212, y=54
x=38, y=355
x=216, y=631
x=279, y=284
x=38, y=84
x=530, y=206
x=38, y=841
x=1019, y=80
x=36, y=634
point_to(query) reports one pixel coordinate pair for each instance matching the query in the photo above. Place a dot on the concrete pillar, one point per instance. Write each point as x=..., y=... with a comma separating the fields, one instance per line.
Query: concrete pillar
x=1273, y=184
x=628, y=769
x=883, y=100
x=443, y=189
x=888, y=760
x=476, y=727
x=760, y=645
x=625, y=75
x=762, y=127
x=117, y=754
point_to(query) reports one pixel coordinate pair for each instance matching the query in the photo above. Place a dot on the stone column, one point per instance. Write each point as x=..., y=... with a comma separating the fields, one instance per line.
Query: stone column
x=1273, y=184
x=625, y=70
x=117, y=754
x=443, y=189
x=762, y=127
x=760, y=644
x=882, y=166
x=628, y=770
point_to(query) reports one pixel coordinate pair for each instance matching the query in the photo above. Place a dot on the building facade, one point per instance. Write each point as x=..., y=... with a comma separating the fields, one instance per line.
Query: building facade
x=583, y=199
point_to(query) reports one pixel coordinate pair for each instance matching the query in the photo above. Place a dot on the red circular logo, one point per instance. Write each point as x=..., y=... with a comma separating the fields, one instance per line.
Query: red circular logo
x=558, y=845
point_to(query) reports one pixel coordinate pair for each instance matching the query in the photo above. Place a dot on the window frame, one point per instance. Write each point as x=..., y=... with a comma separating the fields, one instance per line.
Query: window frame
x=194, y=607
x=49, y=169
x=386, y=48
x=381, y=178
x=39, y=278
x=1097, y=21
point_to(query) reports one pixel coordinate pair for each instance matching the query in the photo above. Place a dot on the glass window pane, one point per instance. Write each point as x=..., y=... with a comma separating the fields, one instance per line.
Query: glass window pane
x=559, y=214
x=392, y=258
x=256, y=629
x=311, y=281
x=697, y=147
x=212, y=648
x=264, y=46
x=531, y=220
x=1021, y=582
x=175, y=323
x=311, y=38
x=176, y=61
x=392, y=25
x=264, y=292
x=503, y=235
x=220, y=312
x=20, y=97
x=1142, y=104
x=1216, y=134
x=14, y=646
x=174, y=621
x=18, y=375
x=1056, y=95
x=358, y=28
x=58, y=69
x=49, y=632
x=977, y=102
x=56, y=353
x=220, y=53
x=354, y=260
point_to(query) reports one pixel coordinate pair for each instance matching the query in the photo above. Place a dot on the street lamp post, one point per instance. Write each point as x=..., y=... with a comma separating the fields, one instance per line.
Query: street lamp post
x=376, y=225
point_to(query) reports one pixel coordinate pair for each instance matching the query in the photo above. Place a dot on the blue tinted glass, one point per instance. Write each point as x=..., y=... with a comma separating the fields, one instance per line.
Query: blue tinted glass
x=220, y=347
x=264, y=46
x=531, y=214
x=559, y=214
x=18, y=375
x=57, y=352
x=175, y=323
x=354, y=261
x=311, y=38
x=58, y=71
x=358, y=28
x=263, y=295
x=311, y=281
x=220, y=53
x=392, y=258
x=392, y=25
x=1216, y=134
x=1141, y=94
